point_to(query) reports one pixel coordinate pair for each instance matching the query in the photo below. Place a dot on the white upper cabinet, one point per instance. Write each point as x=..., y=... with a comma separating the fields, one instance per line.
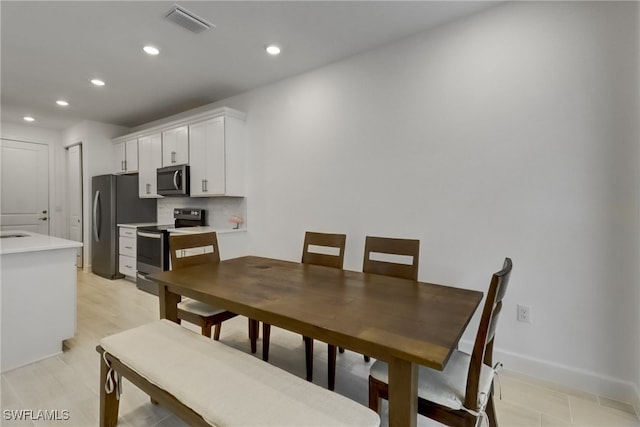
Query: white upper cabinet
x=126, y=156
x=216, y=150
x=212, y=143
x=175, y=146
x=150, y=153
x=206, y=150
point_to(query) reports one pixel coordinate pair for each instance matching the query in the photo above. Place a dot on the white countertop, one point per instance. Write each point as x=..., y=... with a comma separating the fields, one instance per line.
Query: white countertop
x=32, y=242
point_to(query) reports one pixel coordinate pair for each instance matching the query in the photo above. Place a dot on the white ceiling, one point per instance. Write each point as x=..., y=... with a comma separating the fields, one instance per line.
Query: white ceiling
x=51, y=49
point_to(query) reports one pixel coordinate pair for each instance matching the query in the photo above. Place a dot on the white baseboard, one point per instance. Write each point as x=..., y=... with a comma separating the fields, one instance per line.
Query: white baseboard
x=567, y=376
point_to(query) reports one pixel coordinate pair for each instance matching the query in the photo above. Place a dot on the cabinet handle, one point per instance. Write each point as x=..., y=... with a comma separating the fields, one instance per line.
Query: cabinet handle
x=173, y=157
x=148, y=188
x=128, y=266
x=204, y=185
x=128, y=247
x=125, y=165
x=122, y=165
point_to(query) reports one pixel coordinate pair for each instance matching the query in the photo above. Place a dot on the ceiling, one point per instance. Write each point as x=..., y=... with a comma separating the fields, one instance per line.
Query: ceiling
x=51, y=49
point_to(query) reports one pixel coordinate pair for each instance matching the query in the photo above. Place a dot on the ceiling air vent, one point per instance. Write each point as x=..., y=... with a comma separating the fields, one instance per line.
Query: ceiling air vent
x=188, y=20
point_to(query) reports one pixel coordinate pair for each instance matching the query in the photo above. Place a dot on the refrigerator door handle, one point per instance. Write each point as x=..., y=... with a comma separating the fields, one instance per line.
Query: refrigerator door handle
x=96, y=223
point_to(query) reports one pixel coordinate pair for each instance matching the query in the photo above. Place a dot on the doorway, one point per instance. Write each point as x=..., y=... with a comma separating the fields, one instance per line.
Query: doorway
x=74, y=197
x=24, y=186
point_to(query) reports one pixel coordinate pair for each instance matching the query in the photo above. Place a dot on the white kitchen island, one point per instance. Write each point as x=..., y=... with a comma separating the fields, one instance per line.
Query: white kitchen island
x=37, y=296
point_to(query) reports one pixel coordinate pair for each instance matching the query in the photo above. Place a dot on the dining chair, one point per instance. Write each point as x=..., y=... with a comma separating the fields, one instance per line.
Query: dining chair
x=193, y=249
x=325, y=249
x=391, y=257
x=463, y=392
x=395, y=252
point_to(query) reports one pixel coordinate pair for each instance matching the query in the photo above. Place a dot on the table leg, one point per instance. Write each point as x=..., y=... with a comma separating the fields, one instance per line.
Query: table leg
x=403, y=393
x=168, y=304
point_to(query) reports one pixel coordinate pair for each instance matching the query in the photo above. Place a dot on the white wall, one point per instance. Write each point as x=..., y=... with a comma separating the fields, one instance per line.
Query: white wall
x=511, y=133
x=52, y=138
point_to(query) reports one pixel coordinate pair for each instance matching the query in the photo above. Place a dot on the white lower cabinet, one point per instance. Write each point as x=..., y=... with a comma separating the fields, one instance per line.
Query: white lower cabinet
x=127, y=252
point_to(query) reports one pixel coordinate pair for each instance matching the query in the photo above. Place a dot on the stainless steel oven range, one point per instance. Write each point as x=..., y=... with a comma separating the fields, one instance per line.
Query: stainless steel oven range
x=153, y=246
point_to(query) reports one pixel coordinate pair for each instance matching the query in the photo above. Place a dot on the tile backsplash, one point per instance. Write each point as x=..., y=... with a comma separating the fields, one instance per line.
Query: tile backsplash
x=218, y=209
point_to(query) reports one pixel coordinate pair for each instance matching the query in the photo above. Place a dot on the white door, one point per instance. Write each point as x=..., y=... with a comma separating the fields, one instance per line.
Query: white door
x=74, y=193
x=24, y=186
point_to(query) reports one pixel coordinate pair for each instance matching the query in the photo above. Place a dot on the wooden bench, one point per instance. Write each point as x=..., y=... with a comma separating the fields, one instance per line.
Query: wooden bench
x=207, y=383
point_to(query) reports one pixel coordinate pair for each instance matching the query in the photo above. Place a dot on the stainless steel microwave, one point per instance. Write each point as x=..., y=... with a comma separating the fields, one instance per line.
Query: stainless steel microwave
x=173, y=181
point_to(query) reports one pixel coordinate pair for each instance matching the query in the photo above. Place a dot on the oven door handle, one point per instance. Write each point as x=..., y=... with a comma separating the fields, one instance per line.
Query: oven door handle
x=150, y=235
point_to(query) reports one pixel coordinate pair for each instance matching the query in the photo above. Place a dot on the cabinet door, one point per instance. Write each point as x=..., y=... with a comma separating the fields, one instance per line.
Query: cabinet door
x=150, y=159
x=119, y=157
x=175, y=146
x=206, y=146
x=131, y=155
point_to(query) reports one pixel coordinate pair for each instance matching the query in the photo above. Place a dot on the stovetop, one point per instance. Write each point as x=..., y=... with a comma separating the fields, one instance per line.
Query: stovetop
x=184, y=217
x=157, y=228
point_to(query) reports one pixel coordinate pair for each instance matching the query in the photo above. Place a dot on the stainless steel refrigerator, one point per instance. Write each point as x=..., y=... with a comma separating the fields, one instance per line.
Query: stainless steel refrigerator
x=115, y=201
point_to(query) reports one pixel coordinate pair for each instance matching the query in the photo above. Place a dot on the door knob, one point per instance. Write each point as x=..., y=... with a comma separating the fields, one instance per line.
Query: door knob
x=43, y=219
x=44, y=212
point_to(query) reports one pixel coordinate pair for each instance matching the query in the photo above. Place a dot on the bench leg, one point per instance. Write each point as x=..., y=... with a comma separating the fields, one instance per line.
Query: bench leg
x=109, y=403
x=206, y=330
x=216, y=332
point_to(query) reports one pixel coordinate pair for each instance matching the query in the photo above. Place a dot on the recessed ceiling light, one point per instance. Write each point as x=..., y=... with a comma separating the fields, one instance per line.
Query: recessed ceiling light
x=151, y=50
x=97, y=82
x=28, y=119
x=272, y=49
x=62, y=103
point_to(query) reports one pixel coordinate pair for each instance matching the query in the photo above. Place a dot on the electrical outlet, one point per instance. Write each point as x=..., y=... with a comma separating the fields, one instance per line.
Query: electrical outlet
x=524, y=313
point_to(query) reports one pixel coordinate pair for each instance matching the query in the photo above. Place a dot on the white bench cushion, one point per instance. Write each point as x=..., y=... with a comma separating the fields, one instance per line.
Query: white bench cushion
x=226, y=386
x=448, y=387
x=198, y=307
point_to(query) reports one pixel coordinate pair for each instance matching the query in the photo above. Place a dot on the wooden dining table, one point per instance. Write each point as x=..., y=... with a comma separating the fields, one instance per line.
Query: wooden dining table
x=402, y=322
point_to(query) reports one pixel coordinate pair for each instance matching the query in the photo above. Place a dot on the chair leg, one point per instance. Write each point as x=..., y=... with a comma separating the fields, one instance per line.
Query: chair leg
x=253, y=334
x=109, y=404
x=491, y=411
x=331, y=380
x=308, y=355
x=374, y=395
x=266, y=335
x=216, y=332
x=206, y=330
x=341, y=350
x=367, y=358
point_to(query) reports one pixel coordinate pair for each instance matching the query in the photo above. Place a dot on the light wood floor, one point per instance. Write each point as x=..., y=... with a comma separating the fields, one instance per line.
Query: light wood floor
x=70, y=381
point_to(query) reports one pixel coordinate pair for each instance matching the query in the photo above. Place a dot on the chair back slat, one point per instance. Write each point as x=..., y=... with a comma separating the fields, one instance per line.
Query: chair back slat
x=185, y=249
x=329, y=241
x=483, y=347
x=396, y=247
